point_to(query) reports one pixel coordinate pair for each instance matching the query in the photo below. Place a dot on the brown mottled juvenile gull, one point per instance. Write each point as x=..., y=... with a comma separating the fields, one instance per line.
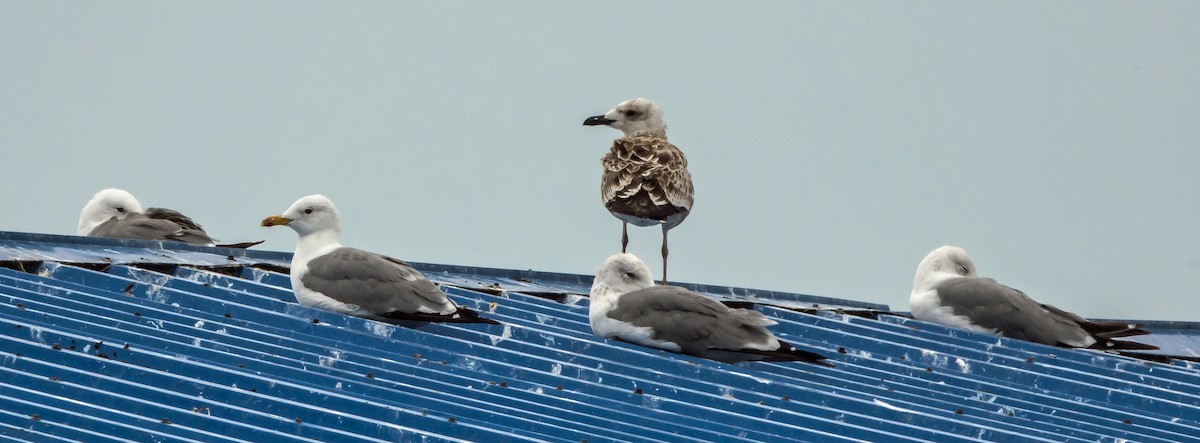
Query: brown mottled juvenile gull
x=645, y=180
x=946, y=290
x=333, y=277
x=625, y=304
x=115, y=213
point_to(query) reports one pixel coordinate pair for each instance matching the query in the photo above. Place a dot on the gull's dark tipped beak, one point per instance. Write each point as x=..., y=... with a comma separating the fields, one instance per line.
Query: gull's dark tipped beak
x=597, y=121
x=275, y=220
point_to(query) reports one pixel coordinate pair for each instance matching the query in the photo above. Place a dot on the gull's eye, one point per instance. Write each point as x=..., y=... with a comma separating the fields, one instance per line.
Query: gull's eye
x=630, y=275
x=308, y=211
x=630, y=113
x=120, y=209
x=963, y=269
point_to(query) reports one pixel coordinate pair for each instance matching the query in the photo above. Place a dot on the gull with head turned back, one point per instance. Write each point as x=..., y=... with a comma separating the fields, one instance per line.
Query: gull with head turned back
x=115, y=213
x=626, y=305
x=947, y=290
x=645, y=179
x=352, y=281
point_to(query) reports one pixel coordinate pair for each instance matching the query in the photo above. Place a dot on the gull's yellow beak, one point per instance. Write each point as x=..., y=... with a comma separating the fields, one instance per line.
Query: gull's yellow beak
x=275, y=220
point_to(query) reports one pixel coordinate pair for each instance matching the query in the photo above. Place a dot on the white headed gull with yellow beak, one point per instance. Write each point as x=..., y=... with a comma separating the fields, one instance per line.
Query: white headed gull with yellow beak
x=352, y=281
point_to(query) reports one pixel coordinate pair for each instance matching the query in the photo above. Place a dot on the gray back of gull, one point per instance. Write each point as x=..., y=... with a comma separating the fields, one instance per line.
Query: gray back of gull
x=1010, y=312
x=374, y=282
x=696, y=323
x=144, y=227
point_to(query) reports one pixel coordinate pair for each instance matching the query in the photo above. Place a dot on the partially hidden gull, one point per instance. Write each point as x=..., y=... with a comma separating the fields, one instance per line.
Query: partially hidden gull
x=627, y=305
x=116, y=213
x=351, y=281
x=946, y=290
x=645, y=179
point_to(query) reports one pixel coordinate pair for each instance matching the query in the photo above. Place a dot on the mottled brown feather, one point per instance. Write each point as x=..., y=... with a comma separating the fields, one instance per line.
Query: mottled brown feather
x=646, y=177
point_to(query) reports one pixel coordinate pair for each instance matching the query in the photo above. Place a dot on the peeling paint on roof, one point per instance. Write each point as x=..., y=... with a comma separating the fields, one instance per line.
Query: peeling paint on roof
x=118, y=340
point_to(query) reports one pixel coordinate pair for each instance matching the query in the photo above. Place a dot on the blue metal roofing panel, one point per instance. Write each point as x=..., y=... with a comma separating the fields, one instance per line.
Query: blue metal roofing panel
x=119, y=340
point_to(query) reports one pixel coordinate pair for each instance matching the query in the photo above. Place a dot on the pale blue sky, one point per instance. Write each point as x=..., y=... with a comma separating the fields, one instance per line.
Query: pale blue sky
x=832, y=144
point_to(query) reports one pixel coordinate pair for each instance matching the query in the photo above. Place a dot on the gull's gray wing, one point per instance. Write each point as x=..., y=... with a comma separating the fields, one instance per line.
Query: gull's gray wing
x=1010, y=312
x=139, y=226
x=695, y=322
x=376, y=283
x=191, y=231
x=174, y=216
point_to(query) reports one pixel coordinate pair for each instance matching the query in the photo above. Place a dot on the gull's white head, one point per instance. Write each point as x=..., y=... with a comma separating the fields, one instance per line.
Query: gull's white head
x=635, y=116
x=106, y=204
x=620, y=274
x=308, y=215
x=943, y=262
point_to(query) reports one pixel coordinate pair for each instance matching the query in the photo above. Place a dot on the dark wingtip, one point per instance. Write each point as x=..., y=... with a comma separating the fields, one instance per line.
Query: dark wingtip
x=811, y=357
x=463, y=315
x=597, y=120
x=796, y=354
x=242, y=245
x=816, y=359
x=804, y=356
x=468, y=316
x=1124, y=345
x=787, y=352
x=1106, y=334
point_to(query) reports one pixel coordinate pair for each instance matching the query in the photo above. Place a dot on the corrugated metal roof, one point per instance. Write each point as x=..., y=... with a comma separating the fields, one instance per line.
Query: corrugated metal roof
x=120, y=340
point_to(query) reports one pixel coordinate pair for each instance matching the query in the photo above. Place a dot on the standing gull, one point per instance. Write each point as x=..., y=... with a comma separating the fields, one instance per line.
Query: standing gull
x=946, y=290
x=645, y=181
x=626, y=305
x=115, y=213
x=333, y=277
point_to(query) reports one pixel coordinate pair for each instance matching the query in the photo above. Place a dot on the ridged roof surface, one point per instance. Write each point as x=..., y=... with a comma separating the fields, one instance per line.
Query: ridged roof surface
x=119, y=340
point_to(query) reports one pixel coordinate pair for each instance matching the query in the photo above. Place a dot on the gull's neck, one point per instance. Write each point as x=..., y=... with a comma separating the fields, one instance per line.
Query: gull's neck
x=90, y=218
x=602, y=301
x=926, y=280
x=313, y=244
x=604, y=293
x=86, y=225
x=657, y=132
x=609, y=293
